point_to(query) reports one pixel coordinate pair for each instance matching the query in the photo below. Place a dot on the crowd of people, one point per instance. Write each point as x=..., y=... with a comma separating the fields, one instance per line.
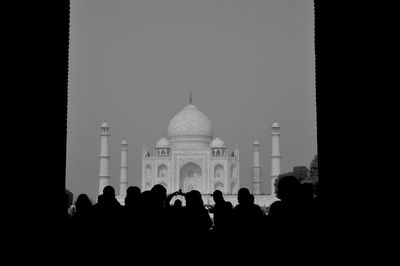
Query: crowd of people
x=149, y=228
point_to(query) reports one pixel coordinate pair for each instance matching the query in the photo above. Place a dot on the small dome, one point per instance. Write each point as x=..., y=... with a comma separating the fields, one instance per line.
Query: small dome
x=256, y=142
x=275, y=124
x=162, y=143
x=217, y=143
x=124, y=142
x=104, y=124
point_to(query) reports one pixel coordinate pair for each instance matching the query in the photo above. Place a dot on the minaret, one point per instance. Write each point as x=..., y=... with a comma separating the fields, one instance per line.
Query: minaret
x=256, y=168
x=275, y=156
x=104, y=157
x=124, y=169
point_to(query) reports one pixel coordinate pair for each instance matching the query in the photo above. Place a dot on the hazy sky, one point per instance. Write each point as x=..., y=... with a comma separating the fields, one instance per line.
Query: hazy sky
x=134, y=63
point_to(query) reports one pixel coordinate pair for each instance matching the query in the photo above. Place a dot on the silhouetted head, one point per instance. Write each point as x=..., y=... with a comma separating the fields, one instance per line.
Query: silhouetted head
x=132, y=195
x=178, y=203
x=109, y=192
x=217, y=196
x=288, y=188
x=275, y=209
x=160, y=193
x=193, y=199
x=243, y=196
x=82, y=203
x=133, y=191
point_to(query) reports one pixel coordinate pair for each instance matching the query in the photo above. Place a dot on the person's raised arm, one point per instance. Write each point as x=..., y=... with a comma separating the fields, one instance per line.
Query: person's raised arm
x=169, y=198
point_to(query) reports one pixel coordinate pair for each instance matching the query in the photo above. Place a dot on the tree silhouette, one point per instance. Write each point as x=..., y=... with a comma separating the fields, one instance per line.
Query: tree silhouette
x=70, y=197
x=300, y=172
x=313, y=178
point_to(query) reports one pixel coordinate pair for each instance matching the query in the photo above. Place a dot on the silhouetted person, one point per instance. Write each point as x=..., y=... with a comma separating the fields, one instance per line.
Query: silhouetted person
x=289, y=190
x=178, y=204
x=131, y=207
x=223, y=229
x=175, y=222
x=153, y=224
x=132, y=197
x=287, y=219
x=289, y=193
x=275, y=211
x=246, y=211
x=248, y=219
x=197, y=224
x=83, y=205
x=223, y=211
x=83, y=211
x=108, y=214
x=158, y=213
x=160, y=196
x=82, y=225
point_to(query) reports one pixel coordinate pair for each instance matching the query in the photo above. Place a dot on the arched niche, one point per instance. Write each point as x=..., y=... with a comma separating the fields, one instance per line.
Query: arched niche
x=233, y=173
x=148, y=171
x=233, y=188
x=162, y=171
x=218, y=171
x=219, y=186
x=189, y=175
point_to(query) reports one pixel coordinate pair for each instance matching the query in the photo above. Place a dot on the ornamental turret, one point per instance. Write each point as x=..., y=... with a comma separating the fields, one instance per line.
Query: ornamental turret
x=275, y=156
x=104, y=175
x=124, y=169
x=256, y=168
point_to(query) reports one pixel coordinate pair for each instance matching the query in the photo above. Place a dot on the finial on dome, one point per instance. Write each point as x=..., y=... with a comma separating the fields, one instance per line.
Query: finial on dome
x=190, y=97
x=104, y=124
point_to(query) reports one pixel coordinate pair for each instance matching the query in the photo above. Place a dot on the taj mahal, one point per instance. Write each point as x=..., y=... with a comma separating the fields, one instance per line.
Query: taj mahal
x=189, y=158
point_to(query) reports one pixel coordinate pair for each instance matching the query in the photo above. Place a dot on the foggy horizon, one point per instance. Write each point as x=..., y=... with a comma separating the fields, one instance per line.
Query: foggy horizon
x=134, y=63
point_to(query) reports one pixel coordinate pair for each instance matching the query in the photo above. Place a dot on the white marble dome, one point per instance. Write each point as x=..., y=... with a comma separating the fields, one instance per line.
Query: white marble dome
x=162, y=143
x=190, y=122
x=217, y=143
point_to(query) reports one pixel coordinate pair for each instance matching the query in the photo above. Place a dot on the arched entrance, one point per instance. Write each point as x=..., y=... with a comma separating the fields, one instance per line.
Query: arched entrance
x=190, y=177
